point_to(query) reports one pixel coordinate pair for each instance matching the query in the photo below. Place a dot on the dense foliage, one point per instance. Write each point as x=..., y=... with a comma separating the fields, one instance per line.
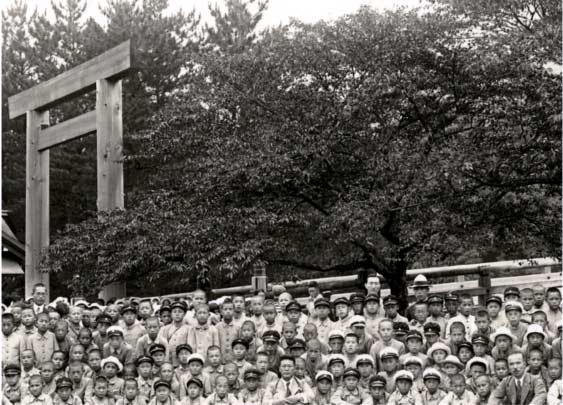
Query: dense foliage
x=379, y=141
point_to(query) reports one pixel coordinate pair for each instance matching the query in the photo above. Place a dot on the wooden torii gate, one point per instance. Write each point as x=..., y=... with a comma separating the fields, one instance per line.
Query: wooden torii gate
x=102, y=73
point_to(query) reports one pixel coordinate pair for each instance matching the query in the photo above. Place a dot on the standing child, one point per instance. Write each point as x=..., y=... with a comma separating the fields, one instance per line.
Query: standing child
x=86, y=340
x=13, y=344
x=239, y=350
x=214, y=364
x=527, y=299
x=480, y=345
x=350, y=350
x=391, y=307
x=553, y=298
x=195, y=366
x=100, y=337
x=459, y=394
x=100, y=395
x=314, y=359
x=227, y=329
x=202, y=335
x=289, y=332
x=414, y=365
x=163, y=394
x=59, y=361
x=271, y=320
x=257, y=306
x=483, y=323
x=266, y=376
x=28, y=366
x=335, y=341
x=145, y=378
x=36, y=395
x=301, y=374
x=451, y=302
x=47, y=370
x=504, y=344
x=323, y=388
x=233, y=378
x=116, y=347
x=343, y=315
x=387, y=340
x=372, y=313
x=513, y=311
x=167, y=374
x=74, y=322
x=414, y=347
x=27, y=327
x=110, y=367
x=183, y=353
x=389, y=365
x=365, y=366
x=494, y=306
x=322, y=321
x=435, y=312
x=95, y=363
x=175, y=333
x=248, y=333
x=80, y=384
x=152, y=326
x=465, y=317
x=336, y=365
x=349, y=392
x=12, y=389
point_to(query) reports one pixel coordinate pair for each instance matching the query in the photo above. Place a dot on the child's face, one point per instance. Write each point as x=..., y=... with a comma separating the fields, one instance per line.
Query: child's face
x=337, y=369
x=221, y=387
x=53, y=318
x=503, y=342
x=435, y=309
x=420, y=313
x=195, y=367
x=269, y=314
x=202, y=315
x=167, y=372
x=110, y=370
x=101, y=389
x=183, y=356
x=350, y=345
x=17, y=312
x=464, y=354
x=12, y=379
x=539, y=296
x=58, y=360
x=535, y=361
x=391, y=310
x=162, y=393
x=414, y=369
x=113, y=311
x=75, y=373
x=341, y=310
x=251, y=384
x=262, y=364
x=389, y=364
x=483, y=387
x=535, y=340
x=432, y=384
x=527, y=300
x=554, y=300
x=513, y=316
x=493, y=309
x=465, y=307
x=386, y=331
x=177, y=314
x=64, y=393
x=372, y=307
x=365, y=370
x=293, y=316
x=47, y=372
x=129, y=317
x=145, y=370
x=480, y=349
x=166, y=317
x=85, y=339
x=102, y=327
x=115, y=341
x=451, y=307
x=359, y=330
x=336, y=345
x=247, y=332
x=476, y=370
x=299, y=368
x=482, y=323
x=145, y=309
x=42, y=323
x=194, y=391
x=152, y=328
x=239, y=351
x=458, y=387
x=289, y=333
x=314, y=352
x=323, y=312
x=324, y=386
x=414, y=345
x=130, y=390
x=227, y=311
x=358, y=307
x=403, y=386
x=158, y=357
x=431, y=338
x=232, y=374
x=377, y=392
x=283, y=300
x=540, y=320
x=501, y=369
x=28, y=319
x=554, y=369
x=7, y=326
x=439, y=356
x=238, y=303
x=75, y=315
x=93, y=316
x=457, y=335
x=35, y=386
x=27, y=359
x=450, y=369
x=214, y=357
x=61, y=330
x=350, y=383
x=257, y=307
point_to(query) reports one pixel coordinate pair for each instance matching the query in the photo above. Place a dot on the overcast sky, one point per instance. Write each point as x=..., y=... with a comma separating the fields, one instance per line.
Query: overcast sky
x=278, y=10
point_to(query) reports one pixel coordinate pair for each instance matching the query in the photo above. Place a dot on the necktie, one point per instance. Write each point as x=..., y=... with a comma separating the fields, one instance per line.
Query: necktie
x=518, y=392
x=287, y=390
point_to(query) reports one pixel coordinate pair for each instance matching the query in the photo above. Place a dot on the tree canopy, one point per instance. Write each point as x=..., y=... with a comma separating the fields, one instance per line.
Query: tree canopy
x=378, y=141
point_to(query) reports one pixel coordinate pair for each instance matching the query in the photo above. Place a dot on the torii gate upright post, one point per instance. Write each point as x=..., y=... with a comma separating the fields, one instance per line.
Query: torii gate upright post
x=104, y=74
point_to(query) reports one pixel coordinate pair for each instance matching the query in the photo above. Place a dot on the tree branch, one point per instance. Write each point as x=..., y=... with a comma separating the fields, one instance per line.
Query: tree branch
x=354, y=265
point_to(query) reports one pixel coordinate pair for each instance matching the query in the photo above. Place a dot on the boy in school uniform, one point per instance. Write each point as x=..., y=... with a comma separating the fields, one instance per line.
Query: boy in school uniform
x=12, y=389
x=35, y=395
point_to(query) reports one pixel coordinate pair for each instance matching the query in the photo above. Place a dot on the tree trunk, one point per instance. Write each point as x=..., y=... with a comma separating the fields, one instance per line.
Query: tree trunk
x=396, y=277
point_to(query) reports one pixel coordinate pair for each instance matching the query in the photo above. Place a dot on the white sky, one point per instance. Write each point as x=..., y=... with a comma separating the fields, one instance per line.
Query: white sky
x=278, y=10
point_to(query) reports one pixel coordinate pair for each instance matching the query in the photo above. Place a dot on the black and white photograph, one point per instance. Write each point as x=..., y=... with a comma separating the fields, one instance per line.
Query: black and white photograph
x=281, y=202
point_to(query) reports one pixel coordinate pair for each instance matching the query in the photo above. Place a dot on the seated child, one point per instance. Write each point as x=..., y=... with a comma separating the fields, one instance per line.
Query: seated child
x=12, y=389
x=483, y=388
x=350, y=350
x=233, y=378
x=377, y=385
x=555, y=393
x=459, y=393
x=110, y=367
x=432, y=394
x=350, y=392
x=536, y=366
x=336, y=365
x=36, y=394
x=365, y=365
x=475, y=367
x=464, y=352
x=214, y=364
x=335, y=341
x=301, y=374
x=248, y=334
x=81, y=384
x=390, y=365
x=535, y=339
x=252, y=393
x=414, y=347
x=63, y=393
x=480, y=345
x=414, y=365
x=163, y=393
x=504, y=344
x=194, y=389
x=47, y=372
x=404, y=394
x=239, y=350
x=59, y=362
x=266, y=376
x=501, y=371
x=323, y=388
x=221, y=394
x=451, y=366
x=28, y=366
x=167, y=375
x=131, y=394
x=145, y=379
x=183, y=353
x=94, y=363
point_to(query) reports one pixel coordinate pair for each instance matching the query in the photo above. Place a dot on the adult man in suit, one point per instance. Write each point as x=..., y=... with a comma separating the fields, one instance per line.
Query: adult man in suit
x=519, y=388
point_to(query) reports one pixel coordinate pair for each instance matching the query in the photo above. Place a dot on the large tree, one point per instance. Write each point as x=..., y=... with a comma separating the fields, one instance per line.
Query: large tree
x=378, y=141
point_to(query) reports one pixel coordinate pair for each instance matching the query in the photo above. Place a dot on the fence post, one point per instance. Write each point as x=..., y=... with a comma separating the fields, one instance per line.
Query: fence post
x=484, y=282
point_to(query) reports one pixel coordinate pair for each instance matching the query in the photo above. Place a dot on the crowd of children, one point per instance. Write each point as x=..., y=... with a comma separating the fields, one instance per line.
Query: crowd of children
x=255, y=350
